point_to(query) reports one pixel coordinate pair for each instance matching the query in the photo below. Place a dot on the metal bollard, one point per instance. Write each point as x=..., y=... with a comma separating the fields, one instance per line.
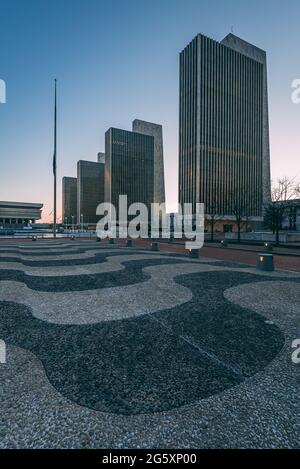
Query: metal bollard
x=193, y=253
x=129, y=243
x=154, y=246
x=98, y=239
x=265, y=262
x=111, y=241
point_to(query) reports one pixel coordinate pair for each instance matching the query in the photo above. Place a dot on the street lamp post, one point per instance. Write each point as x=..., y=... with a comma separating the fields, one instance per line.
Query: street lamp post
x=73, y=223
x=81, y=216
x=66, y=223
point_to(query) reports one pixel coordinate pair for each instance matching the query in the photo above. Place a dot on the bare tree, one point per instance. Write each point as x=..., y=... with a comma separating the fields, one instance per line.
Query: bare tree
x=241, y=206
x=214, y=214
x=283, y=190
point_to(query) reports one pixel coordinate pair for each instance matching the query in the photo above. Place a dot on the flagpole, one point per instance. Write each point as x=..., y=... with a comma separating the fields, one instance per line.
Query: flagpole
x=54, y=163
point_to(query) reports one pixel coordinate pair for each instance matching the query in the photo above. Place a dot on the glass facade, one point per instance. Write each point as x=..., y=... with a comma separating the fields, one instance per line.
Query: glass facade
x=90, y=190
x=220, y=127
x=129, y=167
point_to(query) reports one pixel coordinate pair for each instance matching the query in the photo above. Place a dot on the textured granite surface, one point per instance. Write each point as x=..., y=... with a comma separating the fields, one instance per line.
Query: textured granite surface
x=141, y=349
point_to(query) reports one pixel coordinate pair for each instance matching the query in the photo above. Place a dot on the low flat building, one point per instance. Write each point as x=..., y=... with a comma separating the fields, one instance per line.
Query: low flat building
x=291, y=214
x=16, y=215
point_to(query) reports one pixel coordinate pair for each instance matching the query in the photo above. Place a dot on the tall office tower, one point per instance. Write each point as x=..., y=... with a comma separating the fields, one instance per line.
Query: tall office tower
x=90, y=190
x=69, y=200
x=101, y=157
x=155, y=130
x=129, y=167
x=223, y=126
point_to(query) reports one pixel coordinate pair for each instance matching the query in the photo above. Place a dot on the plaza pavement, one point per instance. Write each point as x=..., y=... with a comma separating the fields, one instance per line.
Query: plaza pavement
x=108, y=346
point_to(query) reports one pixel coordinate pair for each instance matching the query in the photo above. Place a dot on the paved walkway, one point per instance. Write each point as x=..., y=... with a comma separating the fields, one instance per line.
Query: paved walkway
x=108, y=346
x=243, y=254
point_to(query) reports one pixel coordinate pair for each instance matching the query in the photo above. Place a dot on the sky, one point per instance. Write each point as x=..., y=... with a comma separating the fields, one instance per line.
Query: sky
x=117, y=60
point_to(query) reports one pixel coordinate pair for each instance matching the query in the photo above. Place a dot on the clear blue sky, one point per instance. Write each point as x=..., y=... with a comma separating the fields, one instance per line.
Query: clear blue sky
x=116, y=61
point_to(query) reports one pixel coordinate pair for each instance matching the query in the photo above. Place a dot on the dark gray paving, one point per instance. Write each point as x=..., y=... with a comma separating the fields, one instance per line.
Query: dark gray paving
x=152, y=363
x=133, y=273
x=96, y=258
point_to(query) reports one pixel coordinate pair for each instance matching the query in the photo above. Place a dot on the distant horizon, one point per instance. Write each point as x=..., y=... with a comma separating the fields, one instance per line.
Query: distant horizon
x=116, y=63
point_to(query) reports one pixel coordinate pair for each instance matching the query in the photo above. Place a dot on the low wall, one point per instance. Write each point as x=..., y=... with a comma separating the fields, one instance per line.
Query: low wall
x=266, y=236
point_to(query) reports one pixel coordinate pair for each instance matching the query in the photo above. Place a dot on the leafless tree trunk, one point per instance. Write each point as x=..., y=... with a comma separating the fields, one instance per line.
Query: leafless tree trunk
x=214, y=213
x=241, y=208
x=283, y=190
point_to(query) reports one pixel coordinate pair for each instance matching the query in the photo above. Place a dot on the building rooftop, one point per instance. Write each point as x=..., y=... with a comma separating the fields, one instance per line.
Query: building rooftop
x=6, y=203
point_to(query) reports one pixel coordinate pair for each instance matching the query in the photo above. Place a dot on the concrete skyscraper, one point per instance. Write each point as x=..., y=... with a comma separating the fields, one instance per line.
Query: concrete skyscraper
x=155, y=130
x=101, y=157
x=223, y=126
